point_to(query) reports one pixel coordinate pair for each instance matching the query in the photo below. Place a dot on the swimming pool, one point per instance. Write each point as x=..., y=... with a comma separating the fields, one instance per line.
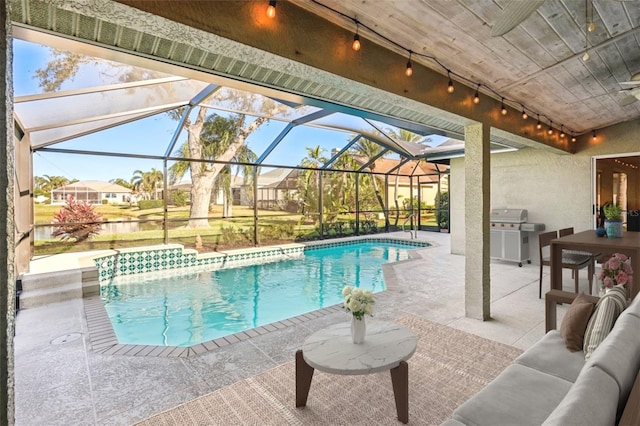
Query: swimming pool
x=196, y=307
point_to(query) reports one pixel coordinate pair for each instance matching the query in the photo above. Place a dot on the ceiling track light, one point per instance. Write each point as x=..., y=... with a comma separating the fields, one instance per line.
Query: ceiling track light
x=550, y=131
x=503, y=109
x=271, y=9
x=356, y=38
x=409, y=70
x=450, y=87
x=476, y=97
x=539, y=124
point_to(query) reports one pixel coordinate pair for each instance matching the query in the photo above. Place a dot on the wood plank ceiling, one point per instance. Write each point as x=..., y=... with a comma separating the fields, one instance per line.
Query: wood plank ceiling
x=537, y=65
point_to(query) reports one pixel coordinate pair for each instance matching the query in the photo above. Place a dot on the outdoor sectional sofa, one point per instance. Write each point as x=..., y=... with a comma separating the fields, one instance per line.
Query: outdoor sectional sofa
x=549, y=385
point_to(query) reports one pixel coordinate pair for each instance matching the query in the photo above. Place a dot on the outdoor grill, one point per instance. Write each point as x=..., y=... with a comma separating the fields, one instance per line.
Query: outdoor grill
x=510, y=234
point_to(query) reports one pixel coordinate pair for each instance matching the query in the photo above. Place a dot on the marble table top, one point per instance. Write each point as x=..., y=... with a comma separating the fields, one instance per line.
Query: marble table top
x=385, y=345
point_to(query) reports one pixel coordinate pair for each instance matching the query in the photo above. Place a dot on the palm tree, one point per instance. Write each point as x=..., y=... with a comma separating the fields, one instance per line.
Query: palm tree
x=369, y=149
x=146, y=183
x=121, y=182
x=310, y=179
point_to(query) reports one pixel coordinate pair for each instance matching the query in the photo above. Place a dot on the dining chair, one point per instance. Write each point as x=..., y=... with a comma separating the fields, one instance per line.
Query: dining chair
x=573, y=261
x=592, y=267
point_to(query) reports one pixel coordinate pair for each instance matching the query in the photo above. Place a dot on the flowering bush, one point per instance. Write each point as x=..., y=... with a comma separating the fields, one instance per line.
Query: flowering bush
x=616, y=271
x=76, y=220
x=358, y=302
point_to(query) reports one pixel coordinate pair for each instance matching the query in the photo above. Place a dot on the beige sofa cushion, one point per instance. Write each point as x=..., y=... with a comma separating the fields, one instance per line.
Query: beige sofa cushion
x=551, y=356
x=619, y=354
x=518, y=396
x=592, y=400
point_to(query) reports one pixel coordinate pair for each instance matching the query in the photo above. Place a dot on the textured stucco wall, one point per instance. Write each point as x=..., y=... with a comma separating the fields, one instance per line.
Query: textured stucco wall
x=7, y=236
x=557, y=190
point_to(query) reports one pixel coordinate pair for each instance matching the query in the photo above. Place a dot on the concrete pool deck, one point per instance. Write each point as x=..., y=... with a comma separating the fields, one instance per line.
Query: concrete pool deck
x=60, y=379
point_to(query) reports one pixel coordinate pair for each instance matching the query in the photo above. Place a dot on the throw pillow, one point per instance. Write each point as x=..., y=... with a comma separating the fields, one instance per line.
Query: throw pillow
x=601, y=322
x=575, y=322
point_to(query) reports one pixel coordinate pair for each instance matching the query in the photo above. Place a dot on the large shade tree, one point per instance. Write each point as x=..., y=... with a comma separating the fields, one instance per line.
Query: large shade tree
x=219, y=138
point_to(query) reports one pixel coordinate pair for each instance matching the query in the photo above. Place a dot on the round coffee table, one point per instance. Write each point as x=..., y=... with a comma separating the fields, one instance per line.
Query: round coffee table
x=387, y=346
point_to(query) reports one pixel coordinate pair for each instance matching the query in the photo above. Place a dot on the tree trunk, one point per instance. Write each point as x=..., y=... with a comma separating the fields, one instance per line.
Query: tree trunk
x=200, y=199
x=380, y=200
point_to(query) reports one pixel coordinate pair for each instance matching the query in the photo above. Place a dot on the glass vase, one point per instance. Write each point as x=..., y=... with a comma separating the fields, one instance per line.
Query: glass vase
x=358, y=330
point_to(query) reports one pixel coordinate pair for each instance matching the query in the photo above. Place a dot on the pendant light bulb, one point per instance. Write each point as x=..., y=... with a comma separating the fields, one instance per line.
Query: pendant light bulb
x=476, y=98
x=539, y=124
x=450, y=87
x=573, y=138
x=524, y=115
x=356, y=42
x=356, y=38
x=562, y=134
x=503, y=109
x=409, y=70
x=594, y=135
x=550, y=131
x=271, y=9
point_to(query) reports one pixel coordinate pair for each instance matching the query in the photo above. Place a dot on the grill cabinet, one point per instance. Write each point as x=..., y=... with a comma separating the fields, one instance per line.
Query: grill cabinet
x=509, y=238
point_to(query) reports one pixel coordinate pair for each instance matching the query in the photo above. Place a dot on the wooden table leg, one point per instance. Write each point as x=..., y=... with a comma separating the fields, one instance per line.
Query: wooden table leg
x=304, y=374
x=400, y=382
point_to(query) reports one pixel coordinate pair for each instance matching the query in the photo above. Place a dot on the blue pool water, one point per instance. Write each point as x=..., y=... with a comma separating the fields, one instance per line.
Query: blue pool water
x=198, y=307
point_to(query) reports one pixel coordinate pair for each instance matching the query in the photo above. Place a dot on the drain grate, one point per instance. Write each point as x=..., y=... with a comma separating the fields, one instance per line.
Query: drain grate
x=66, y=338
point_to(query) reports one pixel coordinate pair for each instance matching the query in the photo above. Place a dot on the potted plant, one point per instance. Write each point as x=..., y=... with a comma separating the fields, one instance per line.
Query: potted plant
x=613, y=220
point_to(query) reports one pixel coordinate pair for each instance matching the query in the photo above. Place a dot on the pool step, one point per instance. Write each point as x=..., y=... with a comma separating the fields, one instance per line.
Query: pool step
x=46, y=288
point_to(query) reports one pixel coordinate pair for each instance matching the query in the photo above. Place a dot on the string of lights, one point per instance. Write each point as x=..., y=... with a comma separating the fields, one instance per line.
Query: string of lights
x=409, y=71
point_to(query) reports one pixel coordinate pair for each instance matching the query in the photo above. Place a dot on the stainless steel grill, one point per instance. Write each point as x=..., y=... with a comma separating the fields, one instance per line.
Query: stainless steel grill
x=509, y=239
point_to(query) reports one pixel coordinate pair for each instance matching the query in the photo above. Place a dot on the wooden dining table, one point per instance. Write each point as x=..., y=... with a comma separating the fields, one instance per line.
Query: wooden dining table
x=588, y=241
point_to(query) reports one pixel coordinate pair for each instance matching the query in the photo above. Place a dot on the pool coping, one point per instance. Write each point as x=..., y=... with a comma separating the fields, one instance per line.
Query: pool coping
x=103, y=339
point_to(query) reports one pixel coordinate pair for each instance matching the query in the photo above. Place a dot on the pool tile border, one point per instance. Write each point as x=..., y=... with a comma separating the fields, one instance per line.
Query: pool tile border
x=103, y=340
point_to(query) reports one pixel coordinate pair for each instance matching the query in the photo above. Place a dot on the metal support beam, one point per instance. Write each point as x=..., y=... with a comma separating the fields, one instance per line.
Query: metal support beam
x=342, y=151
x=275, y=142
x=373, y=160
x=205, y=93
x=165, y=197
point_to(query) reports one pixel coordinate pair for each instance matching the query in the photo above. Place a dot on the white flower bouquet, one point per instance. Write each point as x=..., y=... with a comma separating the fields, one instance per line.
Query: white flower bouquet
x=357, y=301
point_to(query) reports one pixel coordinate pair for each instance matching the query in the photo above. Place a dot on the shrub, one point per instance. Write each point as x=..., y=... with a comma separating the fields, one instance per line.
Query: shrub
x=76, y=220
x=179, y=197
x=150, y=204
x=442, y=203
x=230, y=235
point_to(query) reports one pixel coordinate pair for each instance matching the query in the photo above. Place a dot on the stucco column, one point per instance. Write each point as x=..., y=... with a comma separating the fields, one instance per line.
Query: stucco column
x=476, y=218
x=7, y=233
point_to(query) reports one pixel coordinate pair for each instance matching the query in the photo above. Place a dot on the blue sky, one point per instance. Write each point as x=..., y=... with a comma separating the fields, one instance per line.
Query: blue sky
x=149, y=136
